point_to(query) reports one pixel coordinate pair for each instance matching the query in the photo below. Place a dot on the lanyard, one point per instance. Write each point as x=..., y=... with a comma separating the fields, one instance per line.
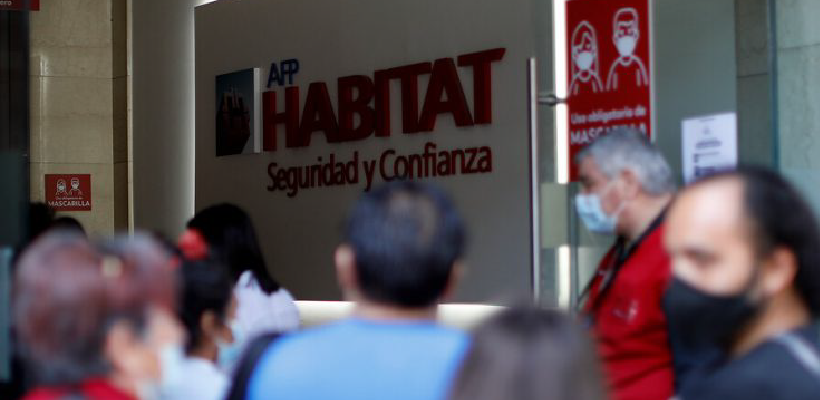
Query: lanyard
x=622, y=252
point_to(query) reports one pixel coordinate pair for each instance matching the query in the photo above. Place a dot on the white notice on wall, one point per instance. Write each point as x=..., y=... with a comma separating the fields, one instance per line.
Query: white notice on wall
x=709, y=145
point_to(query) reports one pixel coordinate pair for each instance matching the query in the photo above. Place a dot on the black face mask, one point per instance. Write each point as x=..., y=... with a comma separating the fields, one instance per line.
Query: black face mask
x=706, y=320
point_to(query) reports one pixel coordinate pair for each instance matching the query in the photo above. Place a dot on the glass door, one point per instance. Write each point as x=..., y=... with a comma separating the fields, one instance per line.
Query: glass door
x=708, y=57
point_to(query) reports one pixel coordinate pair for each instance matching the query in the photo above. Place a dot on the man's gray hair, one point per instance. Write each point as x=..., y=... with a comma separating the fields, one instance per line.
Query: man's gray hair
x=629, y=150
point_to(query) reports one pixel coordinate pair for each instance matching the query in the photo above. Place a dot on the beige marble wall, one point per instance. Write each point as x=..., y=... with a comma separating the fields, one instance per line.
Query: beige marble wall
x=79, y=103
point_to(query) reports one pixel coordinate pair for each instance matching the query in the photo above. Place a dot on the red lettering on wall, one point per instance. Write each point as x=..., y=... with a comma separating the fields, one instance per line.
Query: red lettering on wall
x=444, y=81
x=271, y=118
x=482, y=81
x=349, y=107
x=382, y=95
x=409, y=77
x=318, y=116
x=358, y=119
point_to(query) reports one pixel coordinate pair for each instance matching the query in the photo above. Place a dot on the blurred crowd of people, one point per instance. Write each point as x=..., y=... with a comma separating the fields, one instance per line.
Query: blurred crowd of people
x=709, y=292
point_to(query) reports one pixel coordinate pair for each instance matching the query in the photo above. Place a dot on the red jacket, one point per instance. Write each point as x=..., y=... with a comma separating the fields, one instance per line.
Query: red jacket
x=629, y=323
x=92, y=389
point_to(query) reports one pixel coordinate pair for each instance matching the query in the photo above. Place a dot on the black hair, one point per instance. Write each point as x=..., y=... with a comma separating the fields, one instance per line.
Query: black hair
x=781, y=218
x=40, y=218
x=68, y=223
x=232, y=239
x=205, y=286
x=527, y=353
x=406, y=237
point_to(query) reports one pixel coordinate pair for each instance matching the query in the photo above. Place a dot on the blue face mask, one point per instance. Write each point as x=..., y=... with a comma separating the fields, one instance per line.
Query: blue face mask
x=590, y=210
x=229, y=353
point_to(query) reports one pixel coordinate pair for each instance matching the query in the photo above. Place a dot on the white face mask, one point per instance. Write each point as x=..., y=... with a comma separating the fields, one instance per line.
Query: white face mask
x=229, y=353
x=171, y=360
x=585, y=60
x=626, y=45
x=594, y=217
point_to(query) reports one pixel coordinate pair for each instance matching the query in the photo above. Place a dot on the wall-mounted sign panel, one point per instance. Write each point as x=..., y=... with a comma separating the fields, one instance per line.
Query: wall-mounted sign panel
x=19, y=5
x=609, y=65
x=238, y=112
x=357, y=93
x=709, y=145
x=68, y=192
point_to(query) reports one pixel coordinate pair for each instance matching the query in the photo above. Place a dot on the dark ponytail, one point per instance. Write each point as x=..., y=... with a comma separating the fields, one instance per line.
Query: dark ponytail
x=232, y=240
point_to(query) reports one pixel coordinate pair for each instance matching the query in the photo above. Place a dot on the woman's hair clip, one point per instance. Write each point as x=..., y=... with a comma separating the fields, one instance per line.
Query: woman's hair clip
x=192, y=245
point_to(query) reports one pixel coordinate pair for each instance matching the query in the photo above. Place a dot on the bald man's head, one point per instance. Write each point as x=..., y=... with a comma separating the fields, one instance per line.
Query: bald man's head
x=708, y=236
x=730, y=232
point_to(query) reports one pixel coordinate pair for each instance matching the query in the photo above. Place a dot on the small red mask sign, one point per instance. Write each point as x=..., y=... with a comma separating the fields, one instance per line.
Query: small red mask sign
x=68, y=192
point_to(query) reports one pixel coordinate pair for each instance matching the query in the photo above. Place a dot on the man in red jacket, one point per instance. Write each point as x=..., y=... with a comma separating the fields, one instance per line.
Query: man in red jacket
x=626, y=186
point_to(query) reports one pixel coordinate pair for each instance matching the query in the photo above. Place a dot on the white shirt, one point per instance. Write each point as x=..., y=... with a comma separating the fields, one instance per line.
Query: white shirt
x=199, y=380
x=258, y=313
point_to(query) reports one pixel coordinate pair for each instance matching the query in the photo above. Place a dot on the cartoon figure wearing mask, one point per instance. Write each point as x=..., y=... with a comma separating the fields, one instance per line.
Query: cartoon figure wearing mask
x=628, y=70
x=585, y=75
x=75, y=188
x=61, y=189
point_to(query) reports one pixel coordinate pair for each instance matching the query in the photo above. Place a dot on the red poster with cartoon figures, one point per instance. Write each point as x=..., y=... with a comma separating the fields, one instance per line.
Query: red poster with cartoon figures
x=609, y=69
x=71, y=192
x=19, y=5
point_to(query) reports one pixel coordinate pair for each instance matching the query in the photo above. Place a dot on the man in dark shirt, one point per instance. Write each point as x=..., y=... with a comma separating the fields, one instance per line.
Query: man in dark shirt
x=745, y=250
